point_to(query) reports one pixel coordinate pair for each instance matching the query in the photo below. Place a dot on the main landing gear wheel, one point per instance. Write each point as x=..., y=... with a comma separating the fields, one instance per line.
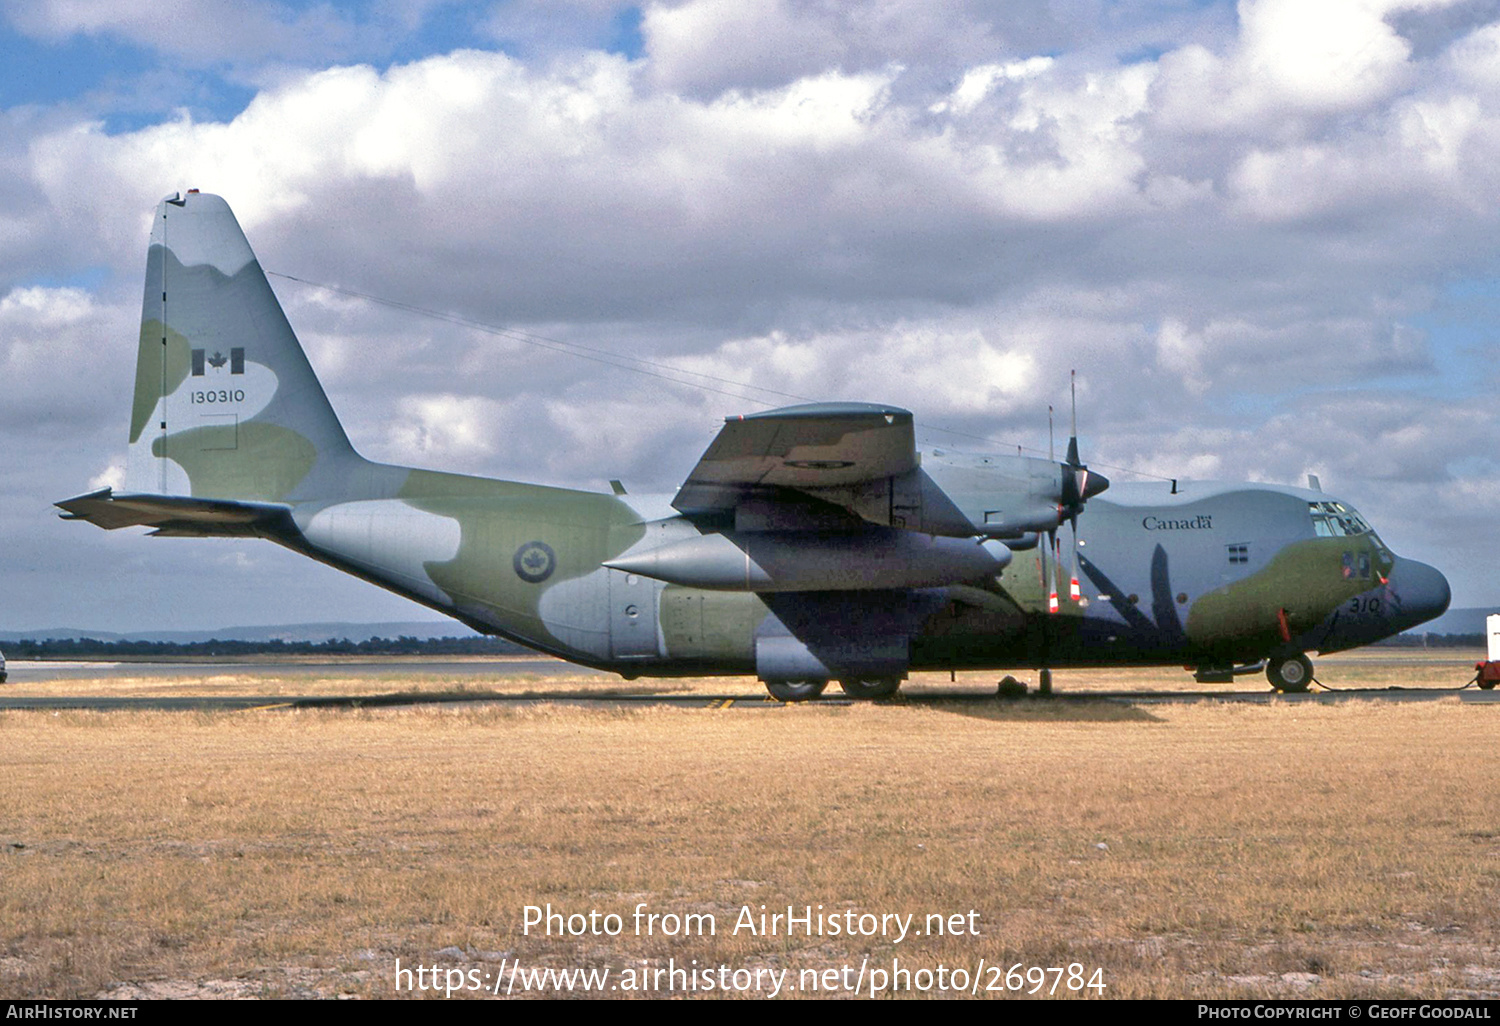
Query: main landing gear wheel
x=878, y=687
x=795, y=690
x=1292, y=675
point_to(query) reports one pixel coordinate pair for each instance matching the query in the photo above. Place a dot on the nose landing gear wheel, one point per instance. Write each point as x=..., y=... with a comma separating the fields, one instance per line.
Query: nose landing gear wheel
x=1290, y=676
x=879, y=687
x=795, y=690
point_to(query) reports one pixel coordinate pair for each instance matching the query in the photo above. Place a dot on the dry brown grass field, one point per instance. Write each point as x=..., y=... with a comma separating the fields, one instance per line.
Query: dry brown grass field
x=1187, y=850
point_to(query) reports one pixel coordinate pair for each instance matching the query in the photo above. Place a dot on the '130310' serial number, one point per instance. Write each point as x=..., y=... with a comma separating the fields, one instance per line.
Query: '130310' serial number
x=223, y=395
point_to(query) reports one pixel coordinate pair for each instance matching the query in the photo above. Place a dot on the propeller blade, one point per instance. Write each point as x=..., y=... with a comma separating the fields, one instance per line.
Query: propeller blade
x=1075, y=593
x=1079, y=484
x=1073, y=433
x=1052, y=604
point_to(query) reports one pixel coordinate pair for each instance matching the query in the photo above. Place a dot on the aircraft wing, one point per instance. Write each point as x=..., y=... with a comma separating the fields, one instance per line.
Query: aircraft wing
x=807, y=448
x=174, y=515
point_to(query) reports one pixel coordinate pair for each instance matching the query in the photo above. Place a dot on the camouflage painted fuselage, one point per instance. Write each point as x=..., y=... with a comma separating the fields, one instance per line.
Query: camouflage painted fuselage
x=1214, y=575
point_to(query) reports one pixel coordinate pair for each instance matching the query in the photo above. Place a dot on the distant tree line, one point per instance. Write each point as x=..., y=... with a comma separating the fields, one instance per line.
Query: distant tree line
x=1435, y=641
x=92, y=648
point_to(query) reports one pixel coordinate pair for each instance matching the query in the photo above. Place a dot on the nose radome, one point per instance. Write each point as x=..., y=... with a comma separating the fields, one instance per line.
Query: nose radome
x=1422, y=592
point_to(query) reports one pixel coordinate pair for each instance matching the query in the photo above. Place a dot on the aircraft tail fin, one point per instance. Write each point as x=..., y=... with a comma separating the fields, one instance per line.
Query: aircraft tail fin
x=226, y=405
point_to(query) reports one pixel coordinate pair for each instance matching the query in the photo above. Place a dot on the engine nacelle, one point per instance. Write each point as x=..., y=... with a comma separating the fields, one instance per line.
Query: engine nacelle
x=773, y=561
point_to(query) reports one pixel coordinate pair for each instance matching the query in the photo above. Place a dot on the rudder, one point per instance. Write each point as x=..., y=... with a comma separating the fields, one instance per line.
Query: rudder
x=226, y=405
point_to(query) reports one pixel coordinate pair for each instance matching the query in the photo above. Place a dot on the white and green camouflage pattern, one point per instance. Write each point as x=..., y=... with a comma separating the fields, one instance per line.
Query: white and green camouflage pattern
x=808, y=544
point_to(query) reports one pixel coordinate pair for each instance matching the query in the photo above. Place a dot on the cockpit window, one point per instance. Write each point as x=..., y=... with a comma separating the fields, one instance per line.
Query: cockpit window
x=1335, y=520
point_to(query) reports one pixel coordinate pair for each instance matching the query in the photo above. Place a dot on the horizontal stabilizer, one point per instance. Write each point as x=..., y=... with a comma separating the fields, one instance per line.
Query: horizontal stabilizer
x=177, y=515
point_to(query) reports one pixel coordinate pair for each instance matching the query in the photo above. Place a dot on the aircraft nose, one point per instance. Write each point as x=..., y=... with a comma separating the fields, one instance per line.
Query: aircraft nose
x=1421, y=593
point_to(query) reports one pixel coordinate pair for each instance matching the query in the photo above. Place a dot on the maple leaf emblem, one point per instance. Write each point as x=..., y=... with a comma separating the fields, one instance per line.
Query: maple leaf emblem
x=534, y=562
x=217, y=360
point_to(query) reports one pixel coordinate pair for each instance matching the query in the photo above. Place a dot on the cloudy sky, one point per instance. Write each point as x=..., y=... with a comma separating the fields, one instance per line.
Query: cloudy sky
x=1265, y=233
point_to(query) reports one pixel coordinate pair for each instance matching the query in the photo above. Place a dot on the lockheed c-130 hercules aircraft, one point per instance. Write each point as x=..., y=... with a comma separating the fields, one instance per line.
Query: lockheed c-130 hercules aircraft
x=809, y=544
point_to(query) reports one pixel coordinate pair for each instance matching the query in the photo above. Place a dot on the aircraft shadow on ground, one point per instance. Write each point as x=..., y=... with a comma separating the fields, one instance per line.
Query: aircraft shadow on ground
x=1033, y=711
x=978, y=706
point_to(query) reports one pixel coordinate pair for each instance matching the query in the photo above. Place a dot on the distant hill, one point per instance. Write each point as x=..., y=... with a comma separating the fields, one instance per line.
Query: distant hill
x=295, y=632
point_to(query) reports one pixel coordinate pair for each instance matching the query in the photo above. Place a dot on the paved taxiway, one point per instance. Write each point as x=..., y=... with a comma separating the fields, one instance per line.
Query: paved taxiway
x=1469, y=696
